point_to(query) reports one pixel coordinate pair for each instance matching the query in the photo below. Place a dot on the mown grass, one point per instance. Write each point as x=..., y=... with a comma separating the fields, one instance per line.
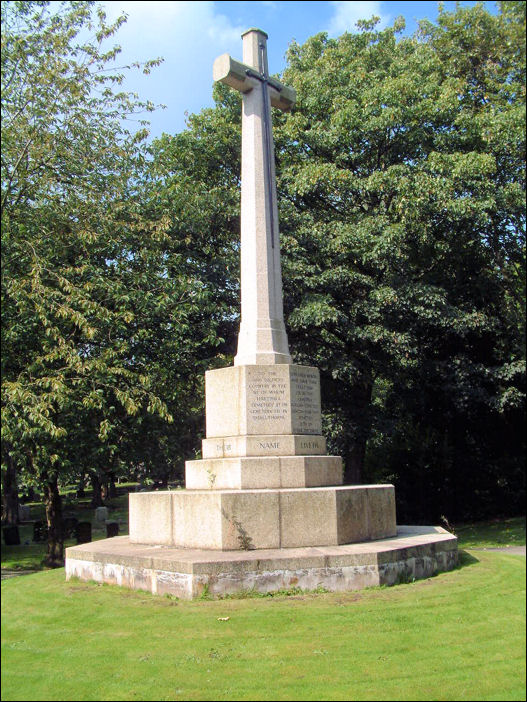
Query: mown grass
x=460, y=635
x=496, y=533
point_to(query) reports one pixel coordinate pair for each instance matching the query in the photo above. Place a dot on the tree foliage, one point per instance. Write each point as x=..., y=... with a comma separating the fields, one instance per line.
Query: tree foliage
x=104, y=316
x=401, y=178
x=401, y=187
x=403, y=182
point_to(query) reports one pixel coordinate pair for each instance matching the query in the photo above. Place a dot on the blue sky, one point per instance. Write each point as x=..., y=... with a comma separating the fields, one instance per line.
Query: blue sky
x=189, y=36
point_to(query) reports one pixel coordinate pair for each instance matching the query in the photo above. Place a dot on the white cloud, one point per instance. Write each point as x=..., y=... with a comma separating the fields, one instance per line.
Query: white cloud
x=175, y=24
x=348, y=12
x=189, y=36
x=222, y=31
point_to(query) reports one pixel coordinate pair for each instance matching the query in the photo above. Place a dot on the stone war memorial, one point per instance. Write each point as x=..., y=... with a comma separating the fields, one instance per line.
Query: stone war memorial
x=265, y=508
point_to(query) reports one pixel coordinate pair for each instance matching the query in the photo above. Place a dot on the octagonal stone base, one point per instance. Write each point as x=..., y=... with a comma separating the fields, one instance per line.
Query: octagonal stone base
x=415, y=552
x=262, y=519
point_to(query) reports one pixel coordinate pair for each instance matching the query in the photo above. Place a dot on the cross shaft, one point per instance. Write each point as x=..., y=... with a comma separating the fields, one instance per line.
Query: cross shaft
x=262, y=338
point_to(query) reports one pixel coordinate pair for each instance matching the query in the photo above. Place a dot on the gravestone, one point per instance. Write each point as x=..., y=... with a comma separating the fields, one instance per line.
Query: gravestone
x=83, y=532
x=24, y=513
x=112, y=529
x=40, y=531
x=101, y=514
x=11, y=535
x=265, y=507
x=69, y=525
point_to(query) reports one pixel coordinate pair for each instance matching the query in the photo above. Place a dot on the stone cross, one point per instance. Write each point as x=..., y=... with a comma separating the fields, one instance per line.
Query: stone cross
x=262, y=339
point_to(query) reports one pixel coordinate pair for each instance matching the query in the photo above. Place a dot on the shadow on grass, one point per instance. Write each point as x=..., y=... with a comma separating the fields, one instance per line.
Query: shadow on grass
x=466, y=559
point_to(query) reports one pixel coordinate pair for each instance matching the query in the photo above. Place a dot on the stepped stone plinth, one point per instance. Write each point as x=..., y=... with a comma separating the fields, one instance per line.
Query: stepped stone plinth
x=250, y=473
x=263, y=431
x=265, y=507
x=263, y=501
x=416, y=552
x=240, y=519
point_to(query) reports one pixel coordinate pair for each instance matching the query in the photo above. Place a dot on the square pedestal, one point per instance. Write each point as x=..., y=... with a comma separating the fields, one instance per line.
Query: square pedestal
x=263, y=472
x=256, y=400
x=258, y=519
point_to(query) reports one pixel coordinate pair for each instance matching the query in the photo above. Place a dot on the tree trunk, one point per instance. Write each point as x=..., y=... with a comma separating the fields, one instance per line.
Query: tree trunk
x=80, y=488
x=30, y=495
x=96, y=500
x=355, y=462
x=112, y=490
x=360, y=418
x=53, y=503
x=104, y=490
x=9, y=493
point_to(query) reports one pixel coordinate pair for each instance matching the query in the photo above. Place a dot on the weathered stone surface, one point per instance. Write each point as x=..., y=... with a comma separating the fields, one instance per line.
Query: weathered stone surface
x=250, y=520
x=415, y=552
x=249, y=473
x=150, y=517
x=381, y=511
x=308, y=518
x=264, y=445
x=234, y=74
x=196, y=522
x=262, y=518
x=232, y=473
x=225, y=520
x=259, y=399
x=101, y=514
x=310, y=471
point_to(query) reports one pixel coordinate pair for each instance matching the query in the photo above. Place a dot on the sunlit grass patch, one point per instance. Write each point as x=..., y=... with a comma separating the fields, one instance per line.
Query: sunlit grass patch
x=460, y=635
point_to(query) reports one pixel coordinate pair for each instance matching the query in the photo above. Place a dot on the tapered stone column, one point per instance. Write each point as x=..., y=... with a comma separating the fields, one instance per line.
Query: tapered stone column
x=262, y=338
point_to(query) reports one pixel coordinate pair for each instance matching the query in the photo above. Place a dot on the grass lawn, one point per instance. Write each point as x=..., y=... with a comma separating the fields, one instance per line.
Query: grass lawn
x=492, y=534
x=460, y=635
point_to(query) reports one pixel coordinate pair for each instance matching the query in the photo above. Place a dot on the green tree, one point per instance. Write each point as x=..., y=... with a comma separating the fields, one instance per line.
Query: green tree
x=401, y=188
x=403, y=184
x=104, y=312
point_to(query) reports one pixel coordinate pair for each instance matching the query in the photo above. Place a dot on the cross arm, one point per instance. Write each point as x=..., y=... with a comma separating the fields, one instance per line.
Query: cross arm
x=244, y=78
